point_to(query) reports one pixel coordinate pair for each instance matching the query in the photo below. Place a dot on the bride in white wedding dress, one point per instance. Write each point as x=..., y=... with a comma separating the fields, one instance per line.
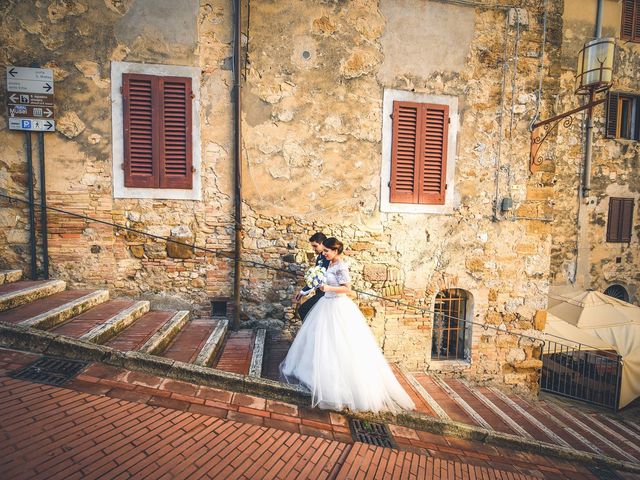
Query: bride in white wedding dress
x=335, y=354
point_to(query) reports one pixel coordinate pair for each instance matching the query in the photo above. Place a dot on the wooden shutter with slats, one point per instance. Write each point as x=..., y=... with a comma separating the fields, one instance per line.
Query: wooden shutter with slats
x=613, y=99
x=175, y=165
x=404, y=152
x=157, y=131
x=620, y=220
x=434, y=154
x=630, y=25
x=418, y=153
x=140, y=139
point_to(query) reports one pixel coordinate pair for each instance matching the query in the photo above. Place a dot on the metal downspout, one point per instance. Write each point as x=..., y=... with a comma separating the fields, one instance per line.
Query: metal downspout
x=237, y=147
x=586, y=184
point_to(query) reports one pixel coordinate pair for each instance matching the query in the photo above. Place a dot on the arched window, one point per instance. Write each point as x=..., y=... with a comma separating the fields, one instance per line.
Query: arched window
x=617, y=291
x=451, y=334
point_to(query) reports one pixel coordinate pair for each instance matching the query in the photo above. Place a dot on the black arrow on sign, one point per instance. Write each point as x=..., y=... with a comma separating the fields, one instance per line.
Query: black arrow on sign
x=47, y=87
x=12, y=72
x=48, y=124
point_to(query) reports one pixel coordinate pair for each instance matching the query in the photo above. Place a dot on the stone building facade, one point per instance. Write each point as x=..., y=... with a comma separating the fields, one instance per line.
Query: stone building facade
x=319, y=85
x=582, y=253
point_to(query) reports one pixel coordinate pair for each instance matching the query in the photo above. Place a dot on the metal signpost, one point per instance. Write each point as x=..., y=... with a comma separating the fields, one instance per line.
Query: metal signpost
x=30, y=108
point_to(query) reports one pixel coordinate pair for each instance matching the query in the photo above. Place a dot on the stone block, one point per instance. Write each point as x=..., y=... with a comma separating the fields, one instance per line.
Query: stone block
x=137, y=251
x=531, y=363
x=540, y=320
x=178, y=250
x=540, y=193
x=375, y=272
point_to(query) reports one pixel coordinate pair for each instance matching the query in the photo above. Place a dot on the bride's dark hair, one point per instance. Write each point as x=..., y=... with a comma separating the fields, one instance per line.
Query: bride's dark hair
x=333, y=243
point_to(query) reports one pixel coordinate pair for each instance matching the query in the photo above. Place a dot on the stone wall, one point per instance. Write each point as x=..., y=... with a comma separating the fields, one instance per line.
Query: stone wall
x=316, y=74
x=580, y=253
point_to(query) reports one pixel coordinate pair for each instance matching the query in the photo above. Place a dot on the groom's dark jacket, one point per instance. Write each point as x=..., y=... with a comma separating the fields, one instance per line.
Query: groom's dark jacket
x=304, y=309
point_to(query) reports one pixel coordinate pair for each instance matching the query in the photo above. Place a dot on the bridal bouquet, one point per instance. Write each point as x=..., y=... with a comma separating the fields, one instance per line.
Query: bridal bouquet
x=314, y=277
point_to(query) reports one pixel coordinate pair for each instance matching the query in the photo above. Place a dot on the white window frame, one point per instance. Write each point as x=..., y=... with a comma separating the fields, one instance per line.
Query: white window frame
x=450, y=201
x=117, y=133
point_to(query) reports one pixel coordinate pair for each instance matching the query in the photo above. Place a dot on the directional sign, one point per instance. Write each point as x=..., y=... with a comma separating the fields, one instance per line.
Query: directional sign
x=30, y=111
x=33, y=124
x=30, y=99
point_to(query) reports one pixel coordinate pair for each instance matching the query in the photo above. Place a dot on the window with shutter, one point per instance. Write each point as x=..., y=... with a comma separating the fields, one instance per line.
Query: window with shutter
x=157, y=131
x=630, y=26
x=623, y=116
x=620, y=220
x=419, y=153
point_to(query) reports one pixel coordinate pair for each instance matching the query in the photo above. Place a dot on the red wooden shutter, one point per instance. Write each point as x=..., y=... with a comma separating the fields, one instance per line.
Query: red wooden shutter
x=626, y=28
x=636, y=21
x=434, y=154
x=176, y=145
x=140, y=140
x=612, y=114
x=404, y=153
x=620, y=220
x=630, y=25
x=418, y=153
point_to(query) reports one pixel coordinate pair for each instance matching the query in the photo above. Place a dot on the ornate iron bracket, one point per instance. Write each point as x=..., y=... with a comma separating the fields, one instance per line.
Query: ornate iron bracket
x=542, y=130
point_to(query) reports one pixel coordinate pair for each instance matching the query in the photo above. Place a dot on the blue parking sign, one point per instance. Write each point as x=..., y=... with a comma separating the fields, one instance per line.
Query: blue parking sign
x=26, y=123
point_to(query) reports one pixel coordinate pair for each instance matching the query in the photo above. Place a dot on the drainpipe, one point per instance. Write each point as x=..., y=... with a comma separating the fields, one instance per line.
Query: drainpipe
x=237, y=147
x=586, y=184
x=583, y=266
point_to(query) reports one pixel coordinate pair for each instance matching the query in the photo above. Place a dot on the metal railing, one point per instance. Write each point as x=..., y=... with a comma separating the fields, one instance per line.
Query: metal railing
x=581, y=372
x=568, y=368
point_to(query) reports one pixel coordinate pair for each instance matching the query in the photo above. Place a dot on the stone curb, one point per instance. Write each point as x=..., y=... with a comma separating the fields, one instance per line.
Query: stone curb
x=167, y=332
x=28, y=294
x=103, y=332
x=58, y=315
x=213, y=344
x=22, y=338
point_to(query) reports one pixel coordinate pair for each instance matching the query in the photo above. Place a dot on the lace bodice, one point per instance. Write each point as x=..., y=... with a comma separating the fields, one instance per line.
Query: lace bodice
x=337, y=274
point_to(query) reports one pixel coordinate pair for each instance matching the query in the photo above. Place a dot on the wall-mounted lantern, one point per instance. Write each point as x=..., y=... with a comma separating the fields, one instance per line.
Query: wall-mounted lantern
x=594, y=75
x=595, y=66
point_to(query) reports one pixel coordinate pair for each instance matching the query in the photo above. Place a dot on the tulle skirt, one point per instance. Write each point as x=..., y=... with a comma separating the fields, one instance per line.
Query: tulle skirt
x=336, y=356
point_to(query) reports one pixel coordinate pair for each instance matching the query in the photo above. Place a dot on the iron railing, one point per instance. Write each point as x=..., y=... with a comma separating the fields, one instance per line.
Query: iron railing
x=581, y=372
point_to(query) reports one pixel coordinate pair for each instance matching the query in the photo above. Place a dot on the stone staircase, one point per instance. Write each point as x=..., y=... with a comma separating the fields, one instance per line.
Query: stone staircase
x=203, y=351
x=128, y=326
x=544, y=422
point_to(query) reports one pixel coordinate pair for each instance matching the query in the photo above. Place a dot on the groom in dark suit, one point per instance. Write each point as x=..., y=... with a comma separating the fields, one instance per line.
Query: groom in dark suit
x=316, y=243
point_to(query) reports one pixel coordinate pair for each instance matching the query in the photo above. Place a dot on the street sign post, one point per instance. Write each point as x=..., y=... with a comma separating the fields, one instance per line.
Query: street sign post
x=30, y=99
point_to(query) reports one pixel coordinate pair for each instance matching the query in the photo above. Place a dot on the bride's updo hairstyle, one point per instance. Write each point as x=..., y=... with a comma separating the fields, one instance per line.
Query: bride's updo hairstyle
x=332, y=243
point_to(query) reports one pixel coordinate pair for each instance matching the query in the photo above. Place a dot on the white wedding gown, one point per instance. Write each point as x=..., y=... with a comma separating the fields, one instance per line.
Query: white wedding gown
x=336, y=356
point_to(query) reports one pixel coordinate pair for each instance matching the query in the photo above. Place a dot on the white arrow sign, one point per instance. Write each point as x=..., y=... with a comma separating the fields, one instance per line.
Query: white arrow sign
x=29, y=86
x=32, y=124
x=26, y=73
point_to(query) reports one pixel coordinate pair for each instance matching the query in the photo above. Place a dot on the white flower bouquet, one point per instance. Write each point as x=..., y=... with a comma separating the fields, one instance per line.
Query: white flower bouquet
x=314, y=277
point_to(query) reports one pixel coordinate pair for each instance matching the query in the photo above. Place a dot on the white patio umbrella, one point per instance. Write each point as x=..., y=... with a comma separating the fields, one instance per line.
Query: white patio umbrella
x=613, y=321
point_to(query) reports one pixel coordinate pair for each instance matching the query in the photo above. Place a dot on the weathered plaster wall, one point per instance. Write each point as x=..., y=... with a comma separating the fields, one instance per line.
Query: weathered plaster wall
x=312, y=111
x=78, y=40
x=614, y=171
x=317, y=72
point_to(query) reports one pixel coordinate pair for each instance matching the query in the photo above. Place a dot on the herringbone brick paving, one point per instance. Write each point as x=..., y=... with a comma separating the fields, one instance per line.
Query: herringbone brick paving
x=89, y=430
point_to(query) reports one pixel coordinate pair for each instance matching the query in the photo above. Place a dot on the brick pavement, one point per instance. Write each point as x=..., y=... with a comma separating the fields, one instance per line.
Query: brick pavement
x=112, y=423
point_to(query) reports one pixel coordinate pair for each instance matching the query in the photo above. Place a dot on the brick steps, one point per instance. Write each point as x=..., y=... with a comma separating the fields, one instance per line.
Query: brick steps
x=19, y=293
x=541, y=421
x=189, y=342
x=237, y=352
x=276, y=348
x=9, y=276
x=136, y=335
x=115, y=320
